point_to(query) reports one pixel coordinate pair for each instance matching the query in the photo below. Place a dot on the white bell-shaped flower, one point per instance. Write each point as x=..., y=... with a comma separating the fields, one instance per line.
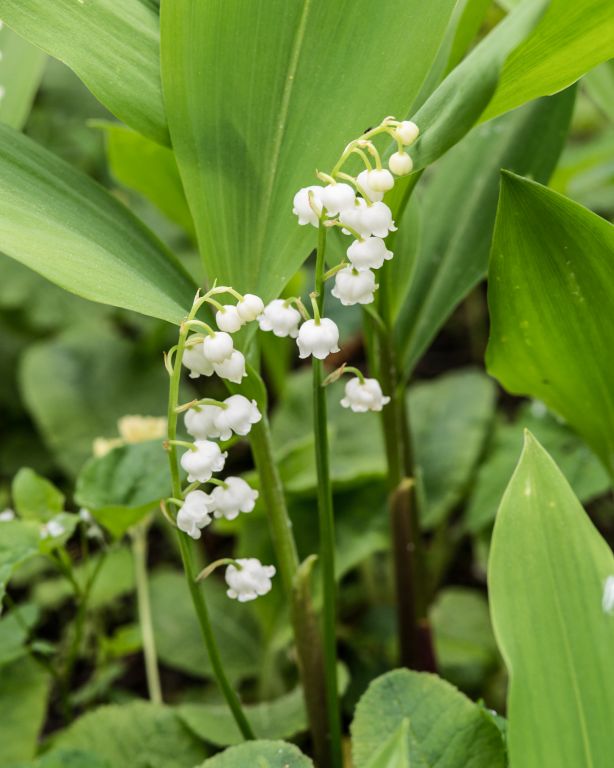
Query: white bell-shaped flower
x=233, y=368
x=281, y=318
x=195, y=360
x=380, y=180
x=250, y=307
x=52, y=529
x=237, y=496
x=406, y=132
x=237, y=416
x=368, y=254
x=217, y=346
x=195, y=513
x=303, y=205
x=200, y=422
x=203, y=460
x=354, y=218
x=377, y=220
x=7, y=515
x=318, y=339
x=400, y=163
x=228, y=319
x=364, y=396
x=364, y=183
x=338, y=197
x=353, y=286
x=250, y=581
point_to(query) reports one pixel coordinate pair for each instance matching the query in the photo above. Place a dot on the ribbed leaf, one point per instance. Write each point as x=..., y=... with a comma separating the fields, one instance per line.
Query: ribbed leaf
x=60, y=223
x=21, y=68
x=260, y=94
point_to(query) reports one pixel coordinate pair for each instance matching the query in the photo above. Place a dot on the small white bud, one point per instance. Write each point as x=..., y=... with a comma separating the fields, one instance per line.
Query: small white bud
x=281, y=318
x=250, y=307
x=381, y=180
x=7, y=515
x=203, y=461
x=363, y=397
x=303, y=205
x=368, y=254
x=238, y=496
x=338, y=197
x=233, y=368
x=195, y=513
x=249, y=581
x=318, y=339
x=195, y=360
x=238, y=416
x=354, y=287
x=364, y=183
x=217, y=347
x=53, y=529
x=400, y=163
x=228, y=319
x=406, y=132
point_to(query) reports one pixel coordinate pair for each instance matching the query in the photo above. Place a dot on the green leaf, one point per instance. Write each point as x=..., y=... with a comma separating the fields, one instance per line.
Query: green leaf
x=578, y=463
x=245, y=143
x=260, y=754
x=551, y=265
x=458, y=211
x=112, y=45
x=138, y=733
x=68, y=759
x=446, y=730
x=60, y=223
x=18, y=543
x=35, y=498
x=394, y=753
x=123, y=486
x=548, y=565
x=178, y=638
x=599, y=84
x=24, y=688
x=15, y=627
x=573, y=37
x=148, y=168
x=21, y=69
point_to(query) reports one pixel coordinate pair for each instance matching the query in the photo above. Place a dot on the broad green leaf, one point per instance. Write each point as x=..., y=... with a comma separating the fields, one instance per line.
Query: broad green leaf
x=126, y=484
x=547, y=569
x=15, y=627
x=35, y=498
x=148, y=168
x=60, y=223
x=260, y=754
x=18, y=542
x=259, y=95
x=458, y=214
x=578, y=463
x=112, y=45
x=178, y=638
x=24, y=688
x=137, y=733
x=21, y=68
x=394, y=753
x=573, y=37
x=67, y=759
x=472, y=15
x=551, y=265
x=446, y=729
x=76, y=390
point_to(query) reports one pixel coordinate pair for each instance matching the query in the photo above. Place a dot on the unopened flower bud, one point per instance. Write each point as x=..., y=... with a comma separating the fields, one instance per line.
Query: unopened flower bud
x=400, y=163
x=364, y=396
x=303, y=202
x=249, y=581
x=250, y=307
x=318, y=339
x=233, y=368
x=281, y=318
x=368, y=254
x=381, y=180
x=228, y=319
x=217, y=347
x=406, y=132
x=201, y=462
x=195, y=513
x=195, y=360
x=354, y=287
x=237, y=496
x=364, y=183
x=338, y=197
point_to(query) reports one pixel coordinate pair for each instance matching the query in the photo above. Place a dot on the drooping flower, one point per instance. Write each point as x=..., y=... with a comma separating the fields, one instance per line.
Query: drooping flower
x=237, y=416
x=303, y=202
x=228, y=319
x=281, y=318
x=250, y=581
x=217, y=347
x=377, y=220
x=354, y=218
x=380, y=180
x=237, y=496
x=199, y=421
x=406, y=132
x=337, y=197
x=364, y=183
x=7, y=515
x=250, y=307
x=364, y=396
x=195, y=360
x=368, y=254
x=400, y=163
x=203, y=460
x=233, y=368
x=195, y=513
x=318, y=339
x=52, y=530
x=353, y=286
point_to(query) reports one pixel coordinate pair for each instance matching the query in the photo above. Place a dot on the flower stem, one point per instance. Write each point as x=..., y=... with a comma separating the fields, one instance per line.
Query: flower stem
x=327, y=528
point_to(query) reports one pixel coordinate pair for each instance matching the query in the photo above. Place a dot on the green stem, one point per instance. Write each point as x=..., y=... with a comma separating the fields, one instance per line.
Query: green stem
x=150, y=657
x=327, y=528
x=196, y=594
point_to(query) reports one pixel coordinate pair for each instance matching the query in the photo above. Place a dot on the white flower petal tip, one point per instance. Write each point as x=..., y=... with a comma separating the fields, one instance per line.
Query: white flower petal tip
x=337, y=198
x=250, y=307
x=363, y=397
x=368, y=254
x=217, y=347
x=318, y=339
x=281, y=318
x=251, y=580
x=201, y=462
x=406, y=132
x=354, y=287
x=195, y=513
x=196, y=362
x=607, y=601
x=235, y=497
x=303, y=202
x=233, y=368
x=400, y=163
x=228, y=319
